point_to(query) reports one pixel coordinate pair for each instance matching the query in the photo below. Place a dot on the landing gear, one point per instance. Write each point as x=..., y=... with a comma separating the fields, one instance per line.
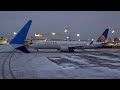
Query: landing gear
x=37, y=50
x=71, y=50
x=58, y=49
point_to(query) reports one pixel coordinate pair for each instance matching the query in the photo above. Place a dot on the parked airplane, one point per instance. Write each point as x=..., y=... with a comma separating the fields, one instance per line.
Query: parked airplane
x=69, y=45
x=18, y=41
x=101, y=40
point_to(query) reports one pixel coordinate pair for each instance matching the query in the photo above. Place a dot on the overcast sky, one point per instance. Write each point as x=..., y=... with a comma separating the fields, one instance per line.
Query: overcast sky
x=90, y=24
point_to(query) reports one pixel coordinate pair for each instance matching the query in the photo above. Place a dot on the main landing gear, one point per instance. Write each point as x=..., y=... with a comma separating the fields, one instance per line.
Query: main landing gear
x=71, y=50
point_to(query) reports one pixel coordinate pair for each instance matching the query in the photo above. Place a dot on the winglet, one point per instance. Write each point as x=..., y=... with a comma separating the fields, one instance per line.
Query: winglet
x=103, y=37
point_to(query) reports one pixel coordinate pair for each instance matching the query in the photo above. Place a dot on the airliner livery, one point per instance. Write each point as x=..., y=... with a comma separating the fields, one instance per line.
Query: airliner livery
x=69, y=45
x=18, y=41
x=103, y=37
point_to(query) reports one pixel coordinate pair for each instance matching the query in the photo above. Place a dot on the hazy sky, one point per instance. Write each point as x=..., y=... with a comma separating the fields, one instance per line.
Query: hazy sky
x=90, y=24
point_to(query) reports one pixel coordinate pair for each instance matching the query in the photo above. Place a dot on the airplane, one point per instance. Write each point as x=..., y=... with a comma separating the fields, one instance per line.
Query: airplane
x=101, y=40
x=69, y=45
x=18, y=41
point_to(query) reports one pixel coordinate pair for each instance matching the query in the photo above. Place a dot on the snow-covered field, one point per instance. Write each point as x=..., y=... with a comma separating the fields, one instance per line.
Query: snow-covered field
x=53, y=64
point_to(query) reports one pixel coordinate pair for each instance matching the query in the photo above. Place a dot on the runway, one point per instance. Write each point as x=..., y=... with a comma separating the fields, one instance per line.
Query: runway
x=53, y=64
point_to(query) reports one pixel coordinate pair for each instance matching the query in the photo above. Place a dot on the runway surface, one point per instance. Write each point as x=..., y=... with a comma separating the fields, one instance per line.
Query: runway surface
x=53, y=64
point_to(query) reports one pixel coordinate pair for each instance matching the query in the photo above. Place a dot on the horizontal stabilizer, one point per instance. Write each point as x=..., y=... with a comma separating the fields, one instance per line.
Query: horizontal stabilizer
x=23, y=49
x=91, y=42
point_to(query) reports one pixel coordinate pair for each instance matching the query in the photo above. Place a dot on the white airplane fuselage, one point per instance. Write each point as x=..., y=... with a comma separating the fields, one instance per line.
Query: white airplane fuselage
x=63, y=45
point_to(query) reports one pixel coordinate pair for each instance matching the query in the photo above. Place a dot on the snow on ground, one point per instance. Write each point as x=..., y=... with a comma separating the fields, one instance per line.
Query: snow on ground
x=52, y=64
x=6, y=48
x=104, y=57
x=36, y=67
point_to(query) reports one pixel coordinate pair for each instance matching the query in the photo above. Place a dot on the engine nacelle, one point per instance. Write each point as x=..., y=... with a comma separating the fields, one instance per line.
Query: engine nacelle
x=63, y=48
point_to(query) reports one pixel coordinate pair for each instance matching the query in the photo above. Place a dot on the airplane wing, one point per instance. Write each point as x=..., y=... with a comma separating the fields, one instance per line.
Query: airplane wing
x=78, y=46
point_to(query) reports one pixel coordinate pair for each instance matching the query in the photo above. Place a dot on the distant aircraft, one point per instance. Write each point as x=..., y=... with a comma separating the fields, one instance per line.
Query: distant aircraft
x=69, y=45
x=101, y=40
x=18, y=41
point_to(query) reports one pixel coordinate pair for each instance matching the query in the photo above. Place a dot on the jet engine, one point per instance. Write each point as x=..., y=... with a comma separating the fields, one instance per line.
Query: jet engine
x=63, y=48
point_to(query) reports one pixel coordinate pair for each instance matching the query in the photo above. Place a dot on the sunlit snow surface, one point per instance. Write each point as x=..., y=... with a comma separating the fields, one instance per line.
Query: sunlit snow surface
x=53, y=64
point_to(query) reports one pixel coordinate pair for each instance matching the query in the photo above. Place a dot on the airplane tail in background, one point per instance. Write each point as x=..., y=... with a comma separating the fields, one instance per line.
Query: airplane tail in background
x=103, y=37
x=18, y=41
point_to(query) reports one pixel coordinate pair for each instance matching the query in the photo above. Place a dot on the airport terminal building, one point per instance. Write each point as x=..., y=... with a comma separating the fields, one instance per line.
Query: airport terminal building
x=49, y=36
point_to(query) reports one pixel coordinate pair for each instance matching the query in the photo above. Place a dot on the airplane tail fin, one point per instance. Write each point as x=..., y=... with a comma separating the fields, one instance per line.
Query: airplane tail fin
x=103, y=37
x=18, y=41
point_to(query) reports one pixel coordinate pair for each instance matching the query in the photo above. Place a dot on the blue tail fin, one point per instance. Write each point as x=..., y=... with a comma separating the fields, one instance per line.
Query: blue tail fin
x=103, y=37
x=21, y=36
x=18, y=41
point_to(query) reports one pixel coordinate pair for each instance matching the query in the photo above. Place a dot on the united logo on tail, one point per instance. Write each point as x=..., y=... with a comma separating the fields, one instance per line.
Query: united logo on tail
x=103, y=37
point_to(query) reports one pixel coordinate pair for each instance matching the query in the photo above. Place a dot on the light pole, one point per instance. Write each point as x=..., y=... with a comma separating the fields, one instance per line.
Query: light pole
x=14, y=33
x=78, y=35
x=113, y=32
x=53, y=34
x=67, y=32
